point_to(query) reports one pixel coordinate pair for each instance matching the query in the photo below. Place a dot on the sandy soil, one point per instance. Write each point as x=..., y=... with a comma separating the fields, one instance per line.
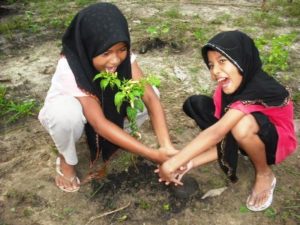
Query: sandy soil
x=27, y=192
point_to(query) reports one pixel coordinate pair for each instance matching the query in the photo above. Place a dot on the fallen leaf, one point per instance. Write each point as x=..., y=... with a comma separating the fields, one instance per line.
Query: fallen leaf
x=214, y=192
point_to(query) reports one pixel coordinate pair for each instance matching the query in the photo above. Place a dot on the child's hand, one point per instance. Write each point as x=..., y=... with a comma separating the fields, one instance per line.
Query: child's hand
x=167, y=175
x=183, y=170
x=167, y=152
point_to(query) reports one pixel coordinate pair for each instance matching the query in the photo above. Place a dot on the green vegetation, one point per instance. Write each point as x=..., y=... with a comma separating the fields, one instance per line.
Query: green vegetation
x=36, y=21
x=11, y=111
x=225, y=18
x=166, y=207
x=130, y=91
x=275, y=52
x=37, y=16
x=158, y=31
x=144, y=204
x=173, y=13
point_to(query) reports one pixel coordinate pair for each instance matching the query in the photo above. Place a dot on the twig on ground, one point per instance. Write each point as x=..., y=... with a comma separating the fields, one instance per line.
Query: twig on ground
x=95, y=192
x=107, y=213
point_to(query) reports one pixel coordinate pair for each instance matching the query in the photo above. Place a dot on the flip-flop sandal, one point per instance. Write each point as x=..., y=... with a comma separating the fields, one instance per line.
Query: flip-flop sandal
x=58, y=171
x=267, y=203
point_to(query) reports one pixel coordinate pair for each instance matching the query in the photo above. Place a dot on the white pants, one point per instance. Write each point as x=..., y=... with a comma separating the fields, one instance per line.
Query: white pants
x=63, y=118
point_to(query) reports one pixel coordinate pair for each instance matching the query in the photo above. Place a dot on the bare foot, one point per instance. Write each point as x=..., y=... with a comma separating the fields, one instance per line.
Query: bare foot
x=263, y=188
x=66, y=178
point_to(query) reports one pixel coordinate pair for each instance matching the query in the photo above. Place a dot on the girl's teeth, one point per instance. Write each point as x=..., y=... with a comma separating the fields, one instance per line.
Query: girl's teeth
x=111, y=69
x=221, y=79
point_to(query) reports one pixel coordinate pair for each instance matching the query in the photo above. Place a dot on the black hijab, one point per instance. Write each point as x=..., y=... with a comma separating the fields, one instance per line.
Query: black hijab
x=93, y=31
x=257, y=86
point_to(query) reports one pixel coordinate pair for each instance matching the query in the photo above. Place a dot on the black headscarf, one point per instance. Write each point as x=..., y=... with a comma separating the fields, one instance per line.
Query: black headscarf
x=257, y=86
x=93, y=31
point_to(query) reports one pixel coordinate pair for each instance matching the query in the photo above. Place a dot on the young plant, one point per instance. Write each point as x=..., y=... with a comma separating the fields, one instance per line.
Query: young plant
x=130, y=91
x=158, y=31
x=11, y=111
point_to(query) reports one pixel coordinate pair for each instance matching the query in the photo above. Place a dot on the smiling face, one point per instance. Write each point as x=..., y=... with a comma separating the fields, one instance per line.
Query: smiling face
x=224, y=72
x=112, y=58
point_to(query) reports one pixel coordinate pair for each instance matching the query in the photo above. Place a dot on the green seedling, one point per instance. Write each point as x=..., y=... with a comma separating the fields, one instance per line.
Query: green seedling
x=11, y=110
x=244, y=209
x=129, y=91
x=158, y=30
x=166, y=207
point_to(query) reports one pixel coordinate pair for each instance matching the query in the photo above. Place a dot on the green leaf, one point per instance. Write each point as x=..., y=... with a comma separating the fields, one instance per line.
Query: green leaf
x=131, y=113
x=244, y=209
x=166, y=207
x=270, y=212
x=153, y=31
x=165, y=29
x=131, y=97
x=138, y=93
x=118, y=83
x=99, y=75
x=139, y=104
x=119, y=97
x=153, y=80
x=104, y=83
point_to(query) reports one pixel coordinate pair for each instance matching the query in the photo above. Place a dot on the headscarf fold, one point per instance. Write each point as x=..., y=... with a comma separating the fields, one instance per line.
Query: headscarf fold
x=93, y=31
x=257, y=86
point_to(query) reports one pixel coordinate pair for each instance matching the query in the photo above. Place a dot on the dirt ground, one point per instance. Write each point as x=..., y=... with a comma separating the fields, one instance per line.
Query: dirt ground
x=130, y=194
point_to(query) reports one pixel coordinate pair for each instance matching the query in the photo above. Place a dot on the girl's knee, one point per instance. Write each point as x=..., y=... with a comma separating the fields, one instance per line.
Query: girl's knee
x=187, y=105
x=245, y=128
x=64, y=113
x=197, y=103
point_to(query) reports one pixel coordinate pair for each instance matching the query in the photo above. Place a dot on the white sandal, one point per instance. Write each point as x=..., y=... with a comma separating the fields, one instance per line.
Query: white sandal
x=58, y=171
x=267, y=203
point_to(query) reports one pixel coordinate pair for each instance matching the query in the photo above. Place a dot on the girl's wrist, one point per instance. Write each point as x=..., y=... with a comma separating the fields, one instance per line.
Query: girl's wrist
x=166, y=143
x=163, y=146
x=172, y=164
x=156, y=156
x=190, y=165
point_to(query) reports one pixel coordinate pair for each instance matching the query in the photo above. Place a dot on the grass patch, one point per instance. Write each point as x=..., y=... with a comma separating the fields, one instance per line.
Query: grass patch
x=173, y=13
x=11, y=110
x=36, y=17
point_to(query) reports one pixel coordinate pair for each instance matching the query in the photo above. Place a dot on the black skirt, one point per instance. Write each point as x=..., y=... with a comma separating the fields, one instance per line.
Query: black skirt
x=201, y=108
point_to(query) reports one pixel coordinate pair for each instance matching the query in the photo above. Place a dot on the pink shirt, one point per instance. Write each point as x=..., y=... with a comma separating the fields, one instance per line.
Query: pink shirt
x=281, y=117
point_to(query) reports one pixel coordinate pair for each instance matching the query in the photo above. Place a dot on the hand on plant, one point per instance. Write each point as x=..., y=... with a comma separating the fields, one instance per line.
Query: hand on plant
x=167, y=175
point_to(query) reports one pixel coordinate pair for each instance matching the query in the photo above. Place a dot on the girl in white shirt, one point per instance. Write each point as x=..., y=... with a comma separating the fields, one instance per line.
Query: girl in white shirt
x=96, y=40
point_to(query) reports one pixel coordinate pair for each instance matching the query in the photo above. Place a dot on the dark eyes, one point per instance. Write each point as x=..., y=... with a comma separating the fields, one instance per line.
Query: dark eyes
x=222, y=60
x=124, y=49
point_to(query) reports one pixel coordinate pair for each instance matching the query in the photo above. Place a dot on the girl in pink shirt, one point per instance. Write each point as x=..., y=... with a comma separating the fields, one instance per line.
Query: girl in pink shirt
x=250, y=111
